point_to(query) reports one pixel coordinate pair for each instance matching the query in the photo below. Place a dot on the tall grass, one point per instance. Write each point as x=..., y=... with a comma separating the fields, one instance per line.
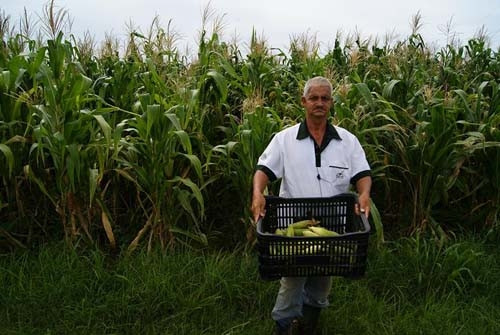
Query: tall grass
x=413, y=287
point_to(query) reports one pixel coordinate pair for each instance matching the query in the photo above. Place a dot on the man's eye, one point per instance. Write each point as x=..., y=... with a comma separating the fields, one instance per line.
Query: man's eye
x=316, y=98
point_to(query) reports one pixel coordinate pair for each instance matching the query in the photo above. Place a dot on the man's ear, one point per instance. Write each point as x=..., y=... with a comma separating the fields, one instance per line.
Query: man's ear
x=303, y=100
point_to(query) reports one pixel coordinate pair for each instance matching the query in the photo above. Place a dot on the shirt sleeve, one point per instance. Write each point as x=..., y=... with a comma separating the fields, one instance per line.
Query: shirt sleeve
x=271, y=160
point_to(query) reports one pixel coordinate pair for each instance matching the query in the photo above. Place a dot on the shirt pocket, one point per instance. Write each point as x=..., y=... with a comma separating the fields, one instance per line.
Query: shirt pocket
x=338, y=172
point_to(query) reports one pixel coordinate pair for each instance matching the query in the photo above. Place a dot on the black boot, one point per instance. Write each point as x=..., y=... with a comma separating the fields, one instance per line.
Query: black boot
x=292, y=329
x=310, y=319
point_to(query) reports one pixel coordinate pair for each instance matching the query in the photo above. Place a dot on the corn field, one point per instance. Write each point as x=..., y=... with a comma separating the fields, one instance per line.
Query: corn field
x=150, y=148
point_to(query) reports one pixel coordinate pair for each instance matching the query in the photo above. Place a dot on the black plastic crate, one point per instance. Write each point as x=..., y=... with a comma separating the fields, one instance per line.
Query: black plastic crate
x=298, y=256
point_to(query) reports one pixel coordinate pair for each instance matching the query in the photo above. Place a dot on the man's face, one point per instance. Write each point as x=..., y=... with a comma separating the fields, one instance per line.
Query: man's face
x=317, y=102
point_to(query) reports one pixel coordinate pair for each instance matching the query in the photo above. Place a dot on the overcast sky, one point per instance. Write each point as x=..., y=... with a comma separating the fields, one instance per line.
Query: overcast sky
x=278, y=20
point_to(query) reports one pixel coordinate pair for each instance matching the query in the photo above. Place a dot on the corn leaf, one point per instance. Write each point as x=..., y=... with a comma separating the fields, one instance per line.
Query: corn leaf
x=8, y=156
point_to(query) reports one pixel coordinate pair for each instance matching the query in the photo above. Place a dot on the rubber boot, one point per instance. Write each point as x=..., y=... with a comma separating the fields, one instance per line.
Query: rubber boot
x=292, y=329
x=310, y=319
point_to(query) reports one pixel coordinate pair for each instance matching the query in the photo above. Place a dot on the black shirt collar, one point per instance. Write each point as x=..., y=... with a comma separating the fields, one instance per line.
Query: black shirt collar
x=330, y=134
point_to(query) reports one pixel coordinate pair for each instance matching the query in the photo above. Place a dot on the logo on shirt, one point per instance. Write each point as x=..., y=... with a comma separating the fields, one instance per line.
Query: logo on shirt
x=340, y=175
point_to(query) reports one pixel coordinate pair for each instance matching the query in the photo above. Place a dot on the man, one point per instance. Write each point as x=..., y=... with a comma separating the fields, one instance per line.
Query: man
x=313, y=159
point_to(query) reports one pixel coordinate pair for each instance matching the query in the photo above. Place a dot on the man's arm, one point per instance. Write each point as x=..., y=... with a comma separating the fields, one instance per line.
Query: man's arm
x=260, y=180
x=363, y=187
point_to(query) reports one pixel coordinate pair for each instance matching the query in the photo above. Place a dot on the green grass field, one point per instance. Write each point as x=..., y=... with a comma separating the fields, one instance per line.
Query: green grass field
x=412, y=286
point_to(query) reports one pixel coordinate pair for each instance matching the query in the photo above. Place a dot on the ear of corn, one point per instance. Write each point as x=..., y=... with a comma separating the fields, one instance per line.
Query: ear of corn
x=309, y=233
x=301, y=224
x=280, y=232
x=299, y=231
x=312, y=249
x=344, y=254
x=304, y=223
x=309, y=228
x=306, y=228
x=323, y=231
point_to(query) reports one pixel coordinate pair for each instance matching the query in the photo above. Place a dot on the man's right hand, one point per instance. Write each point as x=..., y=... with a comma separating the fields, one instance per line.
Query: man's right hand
x=258, y=206
x=260, y=181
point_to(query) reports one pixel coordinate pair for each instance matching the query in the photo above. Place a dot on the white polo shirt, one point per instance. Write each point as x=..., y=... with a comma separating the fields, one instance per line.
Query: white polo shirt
x=309, y=170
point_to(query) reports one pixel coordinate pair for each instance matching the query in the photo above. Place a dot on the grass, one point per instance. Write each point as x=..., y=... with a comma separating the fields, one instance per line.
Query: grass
x=410, y=288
